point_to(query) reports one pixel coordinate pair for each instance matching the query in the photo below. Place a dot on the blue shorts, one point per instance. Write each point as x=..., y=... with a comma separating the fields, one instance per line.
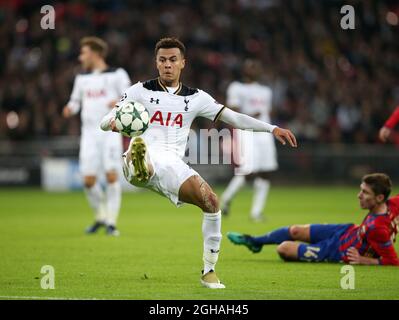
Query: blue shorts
x=324, y=243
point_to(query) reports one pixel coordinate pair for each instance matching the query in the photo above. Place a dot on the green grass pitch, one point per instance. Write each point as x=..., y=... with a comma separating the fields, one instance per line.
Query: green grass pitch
x=159, y=252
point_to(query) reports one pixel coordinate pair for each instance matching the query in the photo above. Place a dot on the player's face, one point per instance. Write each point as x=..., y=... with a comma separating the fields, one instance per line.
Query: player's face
x=170, y=63
x=367, y=198
x=252, y=69
x=86, y=57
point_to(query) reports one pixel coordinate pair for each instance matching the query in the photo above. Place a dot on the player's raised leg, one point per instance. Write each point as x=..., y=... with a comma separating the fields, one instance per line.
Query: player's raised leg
x=196, y=191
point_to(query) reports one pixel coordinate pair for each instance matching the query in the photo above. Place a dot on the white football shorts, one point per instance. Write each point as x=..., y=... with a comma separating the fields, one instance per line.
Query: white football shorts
x=100, y=152
x=255, y=152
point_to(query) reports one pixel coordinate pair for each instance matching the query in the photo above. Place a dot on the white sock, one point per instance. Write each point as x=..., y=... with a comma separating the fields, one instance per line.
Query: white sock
x=235, y=184
x=114, y=195
x=261, y=190
x=95, y=196
x=211, y=230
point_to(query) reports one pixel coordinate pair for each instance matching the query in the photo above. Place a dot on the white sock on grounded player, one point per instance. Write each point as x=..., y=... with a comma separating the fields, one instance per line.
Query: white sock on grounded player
x=114, y=195
x=95, y=196
x=235, y=184
x=261, y=190
x=211, y=230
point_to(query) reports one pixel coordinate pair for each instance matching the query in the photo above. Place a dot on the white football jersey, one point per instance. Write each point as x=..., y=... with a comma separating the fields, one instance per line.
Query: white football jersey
x=253, y=99
x=171, y=114
x=92, y=92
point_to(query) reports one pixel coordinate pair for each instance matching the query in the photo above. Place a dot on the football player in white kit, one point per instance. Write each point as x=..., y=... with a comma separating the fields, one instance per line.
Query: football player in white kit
x=95, y=93
x=154, y=159
x=258, y=148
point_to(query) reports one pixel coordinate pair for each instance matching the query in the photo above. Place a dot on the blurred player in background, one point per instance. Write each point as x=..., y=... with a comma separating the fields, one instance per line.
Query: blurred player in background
x=387, y=132
x=154, y=159
x=369, y=243
x=260, y=158
x=95, y=92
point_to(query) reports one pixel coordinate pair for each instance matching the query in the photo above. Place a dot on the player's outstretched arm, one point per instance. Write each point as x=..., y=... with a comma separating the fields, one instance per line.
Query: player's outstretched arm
x=242, y=121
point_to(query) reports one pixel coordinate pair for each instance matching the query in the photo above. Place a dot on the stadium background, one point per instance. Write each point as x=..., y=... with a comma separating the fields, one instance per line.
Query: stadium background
x=334, y=88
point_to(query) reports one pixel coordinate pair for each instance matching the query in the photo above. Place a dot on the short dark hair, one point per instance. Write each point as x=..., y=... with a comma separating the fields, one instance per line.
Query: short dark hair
x=96, y=44
x=170, y=42
x=380, y=183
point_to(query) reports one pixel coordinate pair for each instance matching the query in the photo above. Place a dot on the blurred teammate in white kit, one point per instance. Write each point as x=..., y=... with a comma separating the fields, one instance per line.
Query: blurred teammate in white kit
x=254, y=99
x=95, y=92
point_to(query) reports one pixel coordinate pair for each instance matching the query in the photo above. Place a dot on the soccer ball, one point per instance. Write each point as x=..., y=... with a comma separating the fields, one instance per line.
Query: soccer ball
x=131, y=119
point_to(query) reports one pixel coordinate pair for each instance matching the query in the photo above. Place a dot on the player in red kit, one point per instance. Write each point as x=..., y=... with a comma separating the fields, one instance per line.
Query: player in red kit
x=369, y=243
x=386, y=131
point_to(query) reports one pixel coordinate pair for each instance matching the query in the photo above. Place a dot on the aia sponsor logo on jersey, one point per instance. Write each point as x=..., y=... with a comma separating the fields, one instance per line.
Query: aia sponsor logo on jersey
x=167, y=119
x=95, y=93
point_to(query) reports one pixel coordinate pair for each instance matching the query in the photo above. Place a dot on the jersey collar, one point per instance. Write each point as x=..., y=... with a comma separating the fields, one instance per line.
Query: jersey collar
x=166, y=90
x=156, y=85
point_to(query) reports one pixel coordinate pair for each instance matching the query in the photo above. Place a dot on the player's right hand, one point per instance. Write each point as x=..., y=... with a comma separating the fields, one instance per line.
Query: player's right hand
x=384, y=134
x=66, y=112
x=113, y=126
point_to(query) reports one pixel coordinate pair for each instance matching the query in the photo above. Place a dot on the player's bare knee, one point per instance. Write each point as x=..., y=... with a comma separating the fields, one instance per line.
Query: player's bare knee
x=283, y=249
x=300, y=232
x=294, y=231
x=89, y=181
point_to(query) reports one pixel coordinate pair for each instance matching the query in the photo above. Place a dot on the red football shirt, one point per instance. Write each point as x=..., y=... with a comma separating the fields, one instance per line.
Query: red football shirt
x=393, y=119
x=375, y=236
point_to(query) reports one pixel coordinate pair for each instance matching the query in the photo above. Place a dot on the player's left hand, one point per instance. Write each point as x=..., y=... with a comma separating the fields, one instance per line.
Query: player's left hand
x=354, y=256
x=384, y=134
x=284, y=135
